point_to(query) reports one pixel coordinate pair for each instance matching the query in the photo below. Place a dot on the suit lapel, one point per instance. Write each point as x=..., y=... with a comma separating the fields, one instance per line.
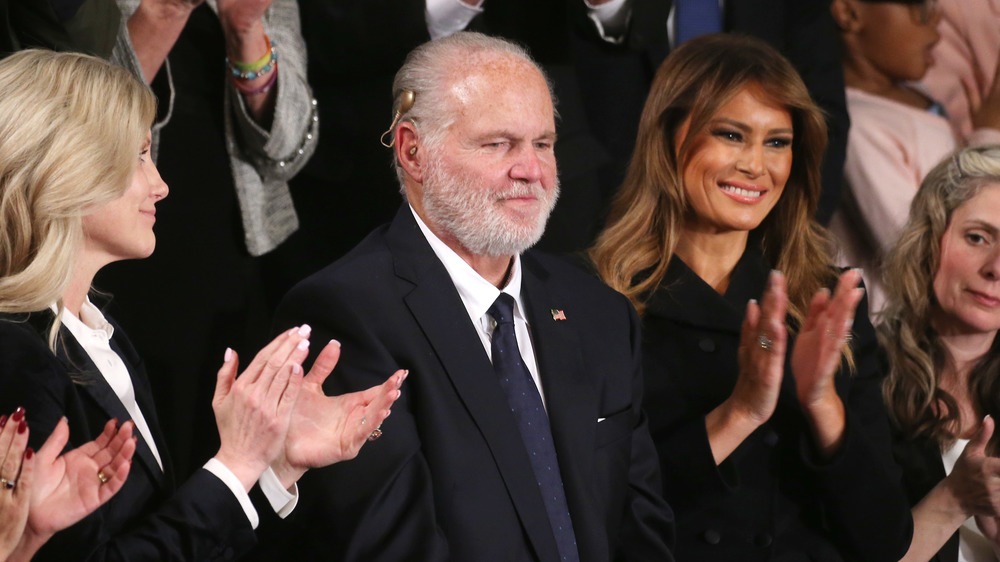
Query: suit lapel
x=143, y=395
x=571, y=401
x=437, y=308
x=95, y=386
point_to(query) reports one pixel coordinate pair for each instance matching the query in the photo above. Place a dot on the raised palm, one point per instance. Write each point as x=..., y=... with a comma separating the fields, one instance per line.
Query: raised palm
x=67, y=487
x=329, y=429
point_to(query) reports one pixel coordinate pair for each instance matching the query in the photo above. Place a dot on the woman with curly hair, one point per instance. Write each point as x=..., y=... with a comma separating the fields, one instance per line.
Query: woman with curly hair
x=724, y=181
x=939, y=333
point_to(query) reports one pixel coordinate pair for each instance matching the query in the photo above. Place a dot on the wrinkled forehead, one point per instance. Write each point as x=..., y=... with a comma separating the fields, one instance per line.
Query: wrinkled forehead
x=500, y=88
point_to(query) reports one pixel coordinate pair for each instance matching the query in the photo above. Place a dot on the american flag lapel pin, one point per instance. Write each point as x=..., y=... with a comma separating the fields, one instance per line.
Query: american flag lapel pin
x=558, y=314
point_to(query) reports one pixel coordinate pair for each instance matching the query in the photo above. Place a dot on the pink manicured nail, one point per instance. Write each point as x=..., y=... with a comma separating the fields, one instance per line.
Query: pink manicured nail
x=335, y=342
x=304, y=344
x=305, y=330
x=296, y=369
x=228, y=356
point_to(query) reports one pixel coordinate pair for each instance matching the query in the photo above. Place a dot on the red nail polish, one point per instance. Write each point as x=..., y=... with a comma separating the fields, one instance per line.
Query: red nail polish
x=18, y=415
x=28, y=453
x=116, y=423
x=3, y=421
x=22, y=427
x=19, y=410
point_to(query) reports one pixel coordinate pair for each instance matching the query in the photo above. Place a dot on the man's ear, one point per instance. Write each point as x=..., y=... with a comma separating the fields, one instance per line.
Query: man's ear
x=408, y=154
x=847, y=14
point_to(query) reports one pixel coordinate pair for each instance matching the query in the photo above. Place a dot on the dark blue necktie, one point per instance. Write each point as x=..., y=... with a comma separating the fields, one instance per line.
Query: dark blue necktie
x=526, y=405
x=696, y=17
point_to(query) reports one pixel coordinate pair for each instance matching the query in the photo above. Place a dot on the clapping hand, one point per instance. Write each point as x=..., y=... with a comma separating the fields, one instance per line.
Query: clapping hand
x=69, y=486
x=761, y=358
x=817, y=356
x=329, y=429
x=15, y=466
x=253, y=411
x=53, y=491
x=762, y=352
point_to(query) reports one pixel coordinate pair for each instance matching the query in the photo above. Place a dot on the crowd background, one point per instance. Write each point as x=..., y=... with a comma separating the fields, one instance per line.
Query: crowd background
x=265, y=194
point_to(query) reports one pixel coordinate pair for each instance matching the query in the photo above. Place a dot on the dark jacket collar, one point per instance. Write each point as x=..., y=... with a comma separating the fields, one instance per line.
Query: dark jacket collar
x=81, y=368
x=683, y=296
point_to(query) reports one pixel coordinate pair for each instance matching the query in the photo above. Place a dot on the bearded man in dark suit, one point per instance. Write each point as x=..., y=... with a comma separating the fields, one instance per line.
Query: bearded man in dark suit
x=519, y=434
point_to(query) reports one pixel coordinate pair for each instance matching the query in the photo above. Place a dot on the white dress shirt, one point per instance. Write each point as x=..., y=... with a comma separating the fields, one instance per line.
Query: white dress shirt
x=478, y=295
x=446, y=17
x=93, y=332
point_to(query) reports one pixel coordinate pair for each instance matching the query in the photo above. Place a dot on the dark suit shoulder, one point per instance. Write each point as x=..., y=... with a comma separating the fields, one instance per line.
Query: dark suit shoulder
x=25, y=358
x=575, y=277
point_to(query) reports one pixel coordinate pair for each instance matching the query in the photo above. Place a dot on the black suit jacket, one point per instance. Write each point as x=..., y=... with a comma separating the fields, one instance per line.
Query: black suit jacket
x=772, y=498
x=149, y=518
x=450, y=478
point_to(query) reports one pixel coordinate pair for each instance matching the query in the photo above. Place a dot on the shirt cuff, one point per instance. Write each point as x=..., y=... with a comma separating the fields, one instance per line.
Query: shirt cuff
x=610, y=18
x=282, y=501
x=223, y=473
x=447, y=17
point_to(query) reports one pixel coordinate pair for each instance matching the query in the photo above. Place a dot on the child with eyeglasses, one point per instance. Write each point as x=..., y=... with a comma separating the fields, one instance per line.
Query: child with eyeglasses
x=898, y=130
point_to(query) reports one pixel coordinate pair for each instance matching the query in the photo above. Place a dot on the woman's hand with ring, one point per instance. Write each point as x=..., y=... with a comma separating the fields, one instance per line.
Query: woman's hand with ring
x=762, y=362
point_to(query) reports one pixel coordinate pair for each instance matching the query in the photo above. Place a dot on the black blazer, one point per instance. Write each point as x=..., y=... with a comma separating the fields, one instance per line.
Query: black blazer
x=149, y=518
x=772, y=498
x=450, y=479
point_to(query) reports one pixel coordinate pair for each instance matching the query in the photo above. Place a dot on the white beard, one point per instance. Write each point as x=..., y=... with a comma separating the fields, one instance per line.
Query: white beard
x=473, y=212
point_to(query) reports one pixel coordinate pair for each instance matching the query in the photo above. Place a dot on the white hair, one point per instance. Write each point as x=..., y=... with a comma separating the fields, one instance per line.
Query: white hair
x=431, y=67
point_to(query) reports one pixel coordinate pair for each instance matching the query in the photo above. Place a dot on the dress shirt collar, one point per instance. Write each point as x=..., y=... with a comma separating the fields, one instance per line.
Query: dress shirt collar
x=91, y=321
x=477, y=293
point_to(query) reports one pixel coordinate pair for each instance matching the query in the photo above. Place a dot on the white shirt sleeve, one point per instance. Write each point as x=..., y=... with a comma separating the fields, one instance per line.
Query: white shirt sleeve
x=610, y=18
x=221, y=471
x=282, y=502
x=447, y=17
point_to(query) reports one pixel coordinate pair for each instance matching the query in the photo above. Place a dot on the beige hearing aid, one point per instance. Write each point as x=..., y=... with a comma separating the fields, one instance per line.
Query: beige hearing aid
x=406, y=99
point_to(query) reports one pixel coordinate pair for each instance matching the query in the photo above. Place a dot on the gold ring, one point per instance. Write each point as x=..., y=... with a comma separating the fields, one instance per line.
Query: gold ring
x=375, y=434
x=102, y=477
x=8, y=484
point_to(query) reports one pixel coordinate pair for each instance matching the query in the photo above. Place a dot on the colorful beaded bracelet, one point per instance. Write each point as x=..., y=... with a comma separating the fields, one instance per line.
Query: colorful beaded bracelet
x=254, y=70
x=263, y=89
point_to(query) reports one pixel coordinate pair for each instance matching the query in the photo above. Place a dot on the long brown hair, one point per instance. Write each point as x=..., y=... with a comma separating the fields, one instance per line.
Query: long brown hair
x=916, y=402
x=635, y=248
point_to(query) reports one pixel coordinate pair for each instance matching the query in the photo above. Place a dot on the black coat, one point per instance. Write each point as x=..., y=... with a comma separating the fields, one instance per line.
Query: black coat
x=773, y=498
x=450, y=478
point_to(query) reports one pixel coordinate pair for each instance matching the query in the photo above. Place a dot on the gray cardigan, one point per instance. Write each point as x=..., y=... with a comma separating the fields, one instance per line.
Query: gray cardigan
x=262, y=161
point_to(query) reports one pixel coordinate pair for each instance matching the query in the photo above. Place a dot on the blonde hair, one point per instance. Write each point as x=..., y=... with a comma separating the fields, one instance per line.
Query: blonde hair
x=70, y=130
x=699, y=77
x=916, y=402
